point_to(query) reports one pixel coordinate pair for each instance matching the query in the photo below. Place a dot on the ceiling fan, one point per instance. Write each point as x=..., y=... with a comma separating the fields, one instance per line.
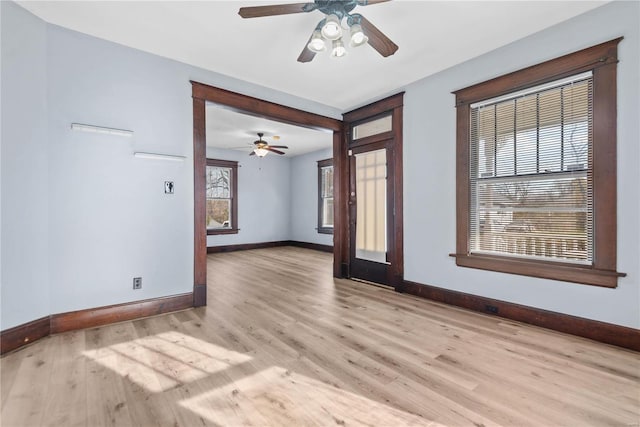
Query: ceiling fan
x=263, y=148
x=329, y=29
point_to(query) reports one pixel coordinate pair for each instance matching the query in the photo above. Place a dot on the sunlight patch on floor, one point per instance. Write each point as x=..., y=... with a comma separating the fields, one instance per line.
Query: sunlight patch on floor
x=163, y=361
x=276, y=396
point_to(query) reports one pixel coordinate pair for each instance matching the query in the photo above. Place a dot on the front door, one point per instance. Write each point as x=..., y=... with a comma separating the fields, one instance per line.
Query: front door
x=374, y=145
x=370, y=212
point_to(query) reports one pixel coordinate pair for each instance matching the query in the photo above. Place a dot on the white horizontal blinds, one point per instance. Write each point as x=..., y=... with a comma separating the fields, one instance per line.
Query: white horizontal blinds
x=531, y=173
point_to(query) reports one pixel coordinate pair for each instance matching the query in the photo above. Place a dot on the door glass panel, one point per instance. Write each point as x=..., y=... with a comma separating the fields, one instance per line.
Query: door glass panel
x=371, y=205
x=373, y=127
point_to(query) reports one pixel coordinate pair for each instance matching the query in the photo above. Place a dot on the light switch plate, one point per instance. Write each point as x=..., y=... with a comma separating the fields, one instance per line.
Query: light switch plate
x=168, y=187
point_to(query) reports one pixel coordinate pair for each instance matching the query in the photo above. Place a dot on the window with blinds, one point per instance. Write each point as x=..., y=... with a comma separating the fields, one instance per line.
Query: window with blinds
x=325, y=196
x=531, y=179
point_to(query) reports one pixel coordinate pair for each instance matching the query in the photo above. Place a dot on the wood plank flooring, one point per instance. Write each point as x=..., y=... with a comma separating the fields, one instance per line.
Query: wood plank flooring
x=282, y=343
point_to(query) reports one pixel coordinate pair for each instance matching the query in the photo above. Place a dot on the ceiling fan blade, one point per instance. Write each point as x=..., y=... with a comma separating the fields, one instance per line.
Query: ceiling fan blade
x=278, y=146
x=273, y=150
x=368, y=2
x=377, y=39
x=275, y=9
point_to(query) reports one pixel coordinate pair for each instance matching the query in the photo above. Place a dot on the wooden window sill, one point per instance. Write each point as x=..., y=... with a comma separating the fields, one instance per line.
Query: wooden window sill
x=565, y=272
x=223, y=231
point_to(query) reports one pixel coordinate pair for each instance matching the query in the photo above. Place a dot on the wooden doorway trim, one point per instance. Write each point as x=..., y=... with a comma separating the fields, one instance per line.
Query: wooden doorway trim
x=201, y=94
x=393, y=105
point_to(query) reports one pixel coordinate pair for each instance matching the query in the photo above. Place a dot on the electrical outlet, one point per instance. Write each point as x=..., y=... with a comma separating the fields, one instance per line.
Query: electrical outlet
x=137, y=283
x=168, y=187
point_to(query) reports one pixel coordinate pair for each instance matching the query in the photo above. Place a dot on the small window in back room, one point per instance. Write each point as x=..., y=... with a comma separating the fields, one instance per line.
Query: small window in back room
x=325, y=196
x=222, y=200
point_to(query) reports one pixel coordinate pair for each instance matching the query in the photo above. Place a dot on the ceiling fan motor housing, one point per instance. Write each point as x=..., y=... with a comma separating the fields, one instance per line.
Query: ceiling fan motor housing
x=336, y=7
x=260, y=143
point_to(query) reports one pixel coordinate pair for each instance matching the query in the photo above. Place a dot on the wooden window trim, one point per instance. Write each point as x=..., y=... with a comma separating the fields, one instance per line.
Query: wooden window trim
x=322, y=164
x=234, y=196
x=602, y=60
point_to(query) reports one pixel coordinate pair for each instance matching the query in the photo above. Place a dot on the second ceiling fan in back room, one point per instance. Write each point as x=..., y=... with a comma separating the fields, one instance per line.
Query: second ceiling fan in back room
x=329, y=29
x=263, y=148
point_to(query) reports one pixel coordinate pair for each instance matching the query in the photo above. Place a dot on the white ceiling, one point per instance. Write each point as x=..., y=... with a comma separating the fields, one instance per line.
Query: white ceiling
x=431, y=35
x=231, y=130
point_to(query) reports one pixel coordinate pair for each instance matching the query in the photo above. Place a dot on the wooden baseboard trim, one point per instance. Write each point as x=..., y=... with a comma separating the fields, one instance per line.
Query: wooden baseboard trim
x=21, y=335
x=314, y=246
x=245, y=246
x=263, y=245
x=608, y=333
x=99, y=316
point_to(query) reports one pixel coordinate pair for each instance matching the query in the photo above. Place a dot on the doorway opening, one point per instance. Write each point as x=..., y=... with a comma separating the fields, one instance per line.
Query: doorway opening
x=204, y=94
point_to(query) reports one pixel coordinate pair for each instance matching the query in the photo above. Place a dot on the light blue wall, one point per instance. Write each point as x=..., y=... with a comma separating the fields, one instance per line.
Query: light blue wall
x=304, y=198
x=263, y=198
x=80, y=215
x=429, y=172
x=24, y=168
x=277, y=198
x=110, y=219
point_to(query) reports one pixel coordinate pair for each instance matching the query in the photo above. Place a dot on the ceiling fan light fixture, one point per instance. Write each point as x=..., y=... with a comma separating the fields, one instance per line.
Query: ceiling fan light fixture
x=331, y=30
x=358, y=38
x=261, y=152
x=337, y=19
x=316, y=44
x=338, y=50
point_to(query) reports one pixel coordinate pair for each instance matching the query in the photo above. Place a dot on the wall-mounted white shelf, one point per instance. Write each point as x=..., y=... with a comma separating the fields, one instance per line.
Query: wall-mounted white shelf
x=101, y=129
x=158, y=156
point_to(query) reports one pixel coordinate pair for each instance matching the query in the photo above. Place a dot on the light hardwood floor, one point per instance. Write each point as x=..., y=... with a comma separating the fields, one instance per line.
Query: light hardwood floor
x=282, y=343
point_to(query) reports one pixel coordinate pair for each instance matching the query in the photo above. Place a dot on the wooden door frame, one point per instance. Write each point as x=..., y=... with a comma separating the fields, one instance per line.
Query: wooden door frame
x=393, y=105
x=201, y=94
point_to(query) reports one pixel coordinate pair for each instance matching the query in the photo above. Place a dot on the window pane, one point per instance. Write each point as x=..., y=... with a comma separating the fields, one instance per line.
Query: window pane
x=325, y=196
x=218, y=182
x=576, y=128
x=486, y=126
x=526, y=145
x=373, y=127
x=327, y=181
x=219, y=213
x=550, y=131
x=219, y=197
x=327, y=212
x=542, y=218
x=371, y=206
x=531, y=183
x=505, y=142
